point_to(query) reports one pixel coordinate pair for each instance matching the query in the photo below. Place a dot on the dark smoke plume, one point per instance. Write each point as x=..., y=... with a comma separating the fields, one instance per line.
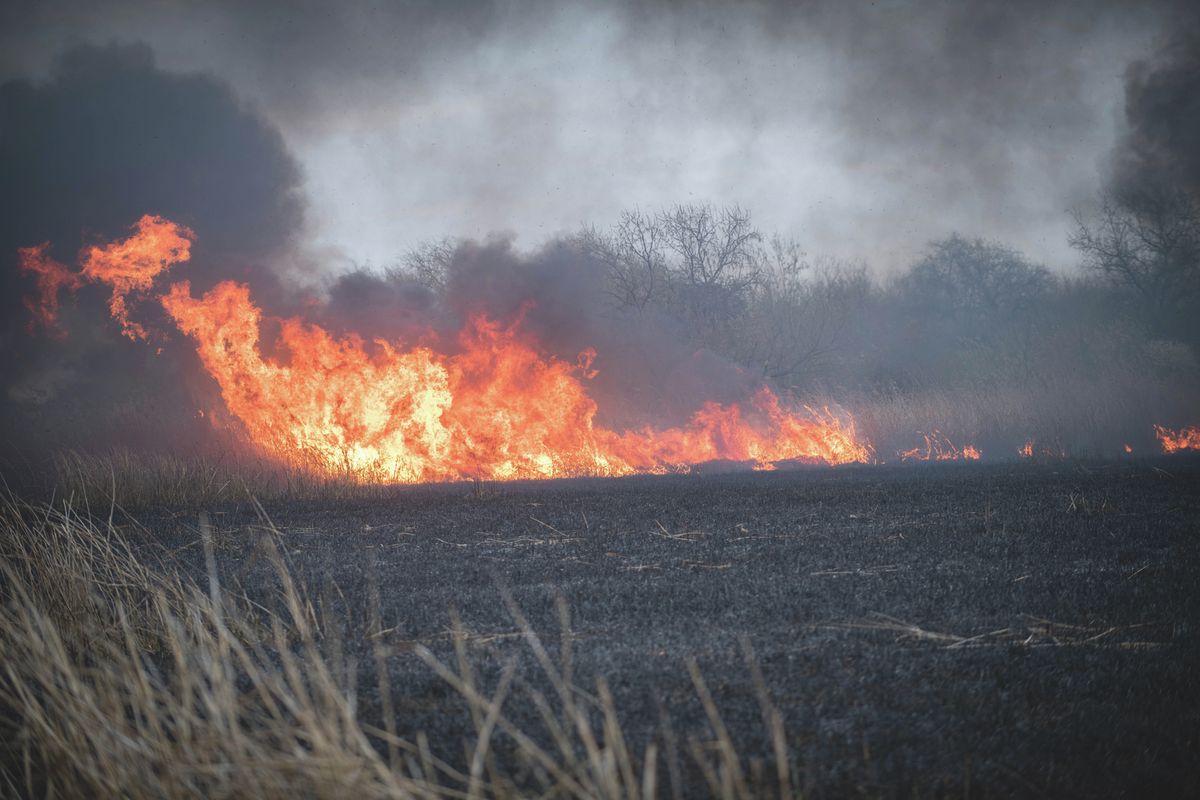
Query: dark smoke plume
x=107, y=138
x=1161, y=148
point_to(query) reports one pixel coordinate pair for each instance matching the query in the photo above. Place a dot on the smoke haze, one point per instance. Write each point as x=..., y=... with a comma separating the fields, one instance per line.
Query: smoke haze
x=866, y=131
x=309, y=145
x=1161, y=145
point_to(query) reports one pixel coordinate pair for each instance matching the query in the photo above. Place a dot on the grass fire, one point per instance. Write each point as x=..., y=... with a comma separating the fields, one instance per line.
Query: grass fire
x=507, y=400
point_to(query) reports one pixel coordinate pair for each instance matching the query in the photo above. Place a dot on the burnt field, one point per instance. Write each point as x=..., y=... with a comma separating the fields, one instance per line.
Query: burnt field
x=1020, y=629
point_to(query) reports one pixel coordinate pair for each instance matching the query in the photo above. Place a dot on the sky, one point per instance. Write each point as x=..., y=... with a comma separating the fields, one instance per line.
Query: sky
x=863, y=130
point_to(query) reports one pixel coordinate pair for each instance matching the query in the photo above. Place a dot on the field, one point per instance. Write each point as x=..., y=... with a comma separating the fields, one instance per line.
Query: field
x=961, y=629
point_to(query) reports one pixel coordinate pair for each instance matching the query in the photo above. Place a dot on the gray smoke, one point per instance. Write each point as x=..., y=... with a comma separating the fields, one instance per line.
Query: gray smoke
x=1161, y=147
x=104, y=139
x=865, y=129
x=296, y=138
x=647, y=368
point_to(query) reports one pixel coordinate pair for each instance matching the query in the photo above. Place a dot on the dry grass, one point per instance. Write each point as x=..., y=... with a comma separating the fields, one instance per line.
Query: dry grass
x=141, y=480
x=119, y=680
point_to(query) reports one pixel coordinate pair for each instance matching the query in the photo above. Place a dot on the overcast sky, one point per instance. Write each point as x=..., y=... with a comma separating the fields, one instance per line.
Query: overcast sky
x=865, y=130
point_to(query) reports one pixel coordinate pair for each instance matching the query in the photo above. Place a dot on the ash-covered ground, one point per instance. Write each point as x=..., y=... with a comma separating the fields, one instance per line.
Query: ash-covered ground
x=1022, y=629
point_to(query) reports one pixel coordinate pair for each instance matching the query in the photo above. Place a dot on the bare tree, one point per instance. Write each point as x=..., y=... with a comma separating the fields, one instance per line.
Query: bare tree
x=634, y=257
x=979, y=285
x=696, y=262
x=1148, y=243
x=754, y=299
x=800, y=311
x=715, y=247
x=430, y=262
x=713, y=270
x=970, y=307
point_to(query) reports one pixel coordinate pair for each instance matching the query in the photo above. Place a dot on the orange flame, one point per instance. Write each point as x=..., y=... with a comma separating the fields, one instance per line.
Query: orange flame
x=938, y=447
x=717, y=432
x=1172, y=441
x=52, y=276
x=496, y=410
x=132, y=265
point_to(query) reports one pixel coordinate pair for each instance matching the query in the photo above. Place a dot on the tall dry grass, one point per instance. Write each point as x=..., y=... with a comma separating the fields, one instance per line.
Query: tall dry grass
x=121, y=680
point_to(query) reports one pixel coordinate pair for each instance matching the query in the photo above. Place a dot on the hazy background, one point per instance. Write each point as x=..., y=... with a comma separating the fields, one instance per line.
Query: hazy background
x=865, y=130
x=937, y=205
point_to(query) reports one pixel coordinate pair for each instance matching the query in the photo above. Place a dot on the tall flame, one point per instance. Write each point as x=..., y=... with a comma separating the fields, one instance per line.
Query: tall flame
x=497, y=409
x=132, y=265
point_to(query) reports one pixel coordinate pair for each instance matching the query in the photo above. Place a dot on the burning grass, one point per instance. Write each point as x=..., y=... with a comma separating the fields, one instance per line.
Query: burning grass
x=1173, y=441
x=494, y=404
x=938, y=447
x=492, y=398
x=122, y=680
x=147, y=479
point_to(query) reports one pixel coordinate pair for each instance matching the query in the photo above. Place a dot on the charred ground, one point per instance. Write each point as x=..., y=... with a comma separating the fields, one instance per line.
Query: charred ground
x=1011, y=629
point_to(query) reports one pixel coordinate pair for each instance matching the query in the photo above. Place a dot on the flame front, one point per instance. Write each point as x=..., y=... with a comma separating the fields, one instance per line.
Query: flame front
x=497, y=409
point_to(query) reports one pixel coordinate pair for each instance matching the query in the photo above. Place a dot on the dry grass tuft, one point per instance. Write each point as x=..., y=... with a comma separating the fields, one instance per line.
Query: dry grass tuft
x=119, y=680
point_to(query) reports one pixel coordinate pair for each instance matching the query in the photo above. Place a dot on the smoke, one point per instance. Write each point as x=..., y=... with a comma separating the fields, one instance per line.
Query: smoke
x=109, y=136
x=646, y=369
x=865, y=129
x=393, y=306
x=273, y=129
x=106, y=138
x=1161, y=147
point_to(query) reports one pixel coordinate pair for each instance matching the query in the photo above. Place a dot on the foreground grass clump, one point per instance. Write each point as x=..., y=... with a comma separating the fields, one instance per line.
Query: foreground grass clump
x=121, y=680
